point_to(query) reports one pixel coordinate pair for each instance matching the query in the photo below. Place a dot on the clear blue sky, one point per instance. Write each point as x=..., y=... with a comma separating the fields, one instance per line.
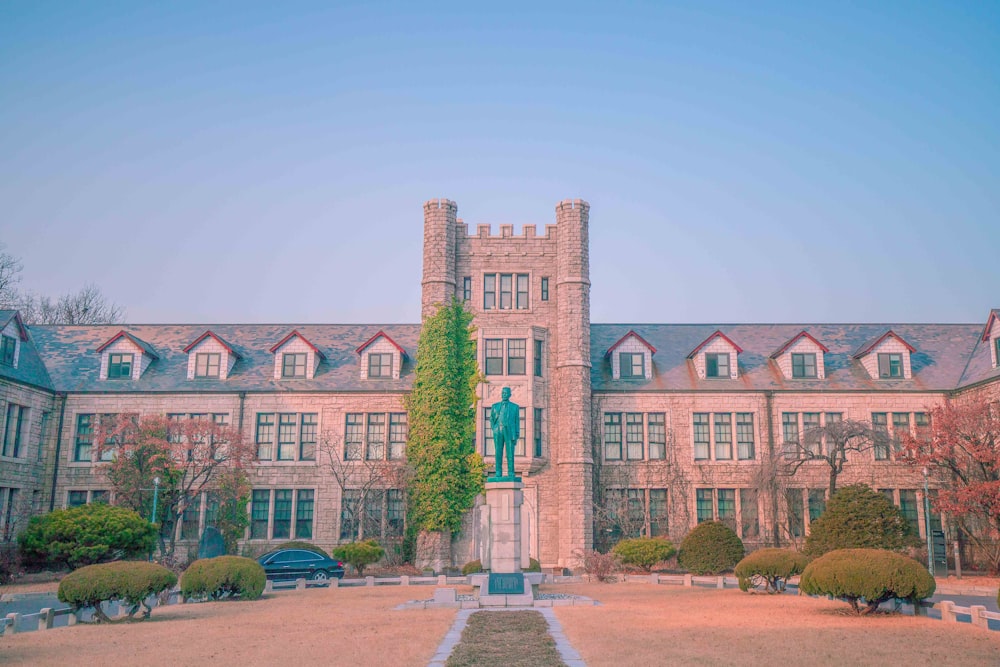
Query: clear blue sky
x=245, y=162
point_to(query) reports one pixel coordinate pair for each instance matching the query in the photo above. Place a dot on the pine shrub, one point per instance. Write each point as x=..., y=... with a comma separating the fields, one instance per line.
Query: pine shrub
x=770, y=568
x=359, y=555
x=223, y=577
x=130, y=582
x=871, y=576
x=644, y=552
x=86, y=535
x=472, y=567
x=710, y=548
x=534, y=566
x=858, y=517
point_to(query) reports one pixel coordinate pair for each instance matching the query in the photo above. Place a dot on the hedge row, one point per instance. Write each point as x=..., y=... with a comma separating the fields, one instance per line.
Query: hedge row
x=131, y=582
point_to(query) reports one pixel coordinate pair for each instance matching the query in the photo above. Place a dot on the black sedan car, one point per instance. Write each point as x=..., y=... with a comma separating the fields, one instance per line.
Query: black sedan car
x=291, y=564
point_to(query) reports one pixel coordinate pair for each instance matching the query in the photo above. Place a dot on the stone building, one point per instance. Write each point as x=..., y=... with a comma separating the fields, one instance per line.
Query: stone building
x=626, y=428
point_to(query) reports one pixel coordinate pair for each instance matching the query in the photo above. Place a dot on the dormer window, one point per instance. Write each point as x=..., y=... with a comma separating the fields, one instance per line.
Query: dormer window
x=631, y=358
x=119, y=366
x=717, y=365
x=293, y=365
x=632, y=365
x=716, y=358
x=803, y=365
x=890, y=365
x=886, y=357
x=379, y=365
x=7, y=348
x=381, y=358
x=207, y=364
x=991, y=336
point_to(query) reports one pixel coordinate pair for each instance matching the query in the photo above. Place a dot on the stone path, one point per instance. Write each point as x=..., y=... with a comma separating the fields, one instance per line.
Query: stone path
x=454, y=635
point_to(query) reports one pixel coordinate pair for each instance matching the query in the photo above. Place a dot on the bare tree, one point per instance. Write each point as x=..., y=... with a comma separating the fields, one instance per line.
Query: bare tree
x=87, y=306
x=364, y=484
x=831, y=444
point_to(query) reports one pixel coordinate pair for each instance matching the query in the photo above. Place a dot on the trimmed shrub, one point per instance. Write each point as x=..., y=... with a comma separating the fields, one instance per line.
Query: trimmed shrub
x=600, y=566
x=86, y=535
x=770, y=567
x=223, y=577
x=130, y=582
x=869, y=575
x=359, y=555
x=644, y=552
x=858, y=517
x=710, y=548
x=534, y=566
x=307, y=546
x=472, y=567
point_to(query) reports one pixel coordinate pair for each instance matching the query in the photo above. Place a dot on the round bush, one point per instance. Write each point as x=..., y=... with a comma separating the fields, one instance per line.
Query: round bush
x=710, y=548
x=472, y=567
x=130, y=582
x=307, y=546
x=534, y=566
x=86, y=535
x=644, y=552
x=359, y=554
x=869, y=575
x=223, y=577
x=770, y=567
x=859, y=518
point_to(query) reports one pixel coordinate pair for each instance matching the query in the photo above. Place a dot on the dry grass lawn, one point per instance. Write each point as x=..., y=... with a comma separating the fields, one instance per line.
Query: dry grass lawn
x=320, y=626
x=640, y=624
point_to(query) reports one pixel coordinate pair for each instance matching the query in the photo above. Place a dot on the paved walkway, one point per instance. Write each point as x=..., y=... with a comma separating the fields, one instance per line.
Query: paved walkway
x=454, y=635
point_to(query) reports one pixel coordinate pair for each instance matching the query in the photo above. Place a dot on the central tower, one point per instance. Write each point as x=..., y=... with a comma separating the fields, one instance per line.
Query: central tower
x=530, y=294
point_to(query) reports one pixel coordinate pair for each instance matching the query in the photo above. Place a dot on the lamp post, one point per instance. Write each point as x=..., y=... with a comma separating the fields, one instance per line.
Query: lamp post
x=156, y=495
x=927, y=526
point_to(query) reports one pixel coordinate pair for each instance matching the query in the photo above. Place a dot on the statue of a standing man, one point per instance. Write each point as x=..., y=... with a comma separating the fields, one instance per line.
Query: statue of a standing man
x=505, y=420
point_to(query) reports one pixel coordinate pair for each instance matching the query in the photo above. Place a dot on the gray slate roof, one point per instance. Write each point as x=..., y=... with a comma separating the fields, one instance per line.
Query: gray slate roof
x=943, y=352
x=69, y=352
x=948, y=356
x=30, y=369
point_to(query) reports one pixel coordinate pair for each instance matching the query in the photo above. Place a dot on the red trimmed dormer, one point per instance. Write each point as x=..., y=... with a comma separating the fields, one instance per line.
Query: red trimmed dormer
x=886, y=357
x=210, y=357
x=716, y=357
x=125, y=357
x=295, y=358
x=381, y=357
x=634, y=358
x=991, y=336
x=801, y=358
x=12, y=334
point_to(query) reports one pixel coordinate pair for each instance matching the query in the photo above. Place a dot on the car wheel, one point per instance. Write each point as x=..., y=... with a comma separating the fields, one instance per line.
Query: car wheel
x=320, y=575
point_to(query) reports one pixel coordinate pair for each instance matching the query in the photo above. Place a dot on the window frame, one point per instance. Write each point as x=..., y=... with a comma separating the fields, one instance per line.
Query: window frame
x=8, y=350
x=801, y=367
x=713, y=359
x=493, y=353
x=517, y=365
x=538, y=350
x=117, y=364
x=631, y=375
x=205, y=370
x=376, y=362
x=888, y=362
x=467, y=288
x=83, y=439
x=289, y=371
x=545, y=288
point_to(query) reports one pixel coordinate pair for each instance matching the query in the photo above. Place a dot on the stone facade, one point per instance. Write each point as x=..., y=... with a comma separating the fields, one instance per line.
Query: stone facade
x=672, y=445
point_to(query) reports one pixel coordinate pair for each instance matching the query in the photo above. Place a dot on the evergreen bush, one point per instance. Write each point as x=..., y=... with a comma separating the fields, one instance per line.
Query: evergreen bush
x=710, y=548
x=534, y=566
x=644, y=552
x=359, y=554
x=858, y=517
x=86, y=535
x=472, y=567
x=770, y=567
x=223, y=577
x=131, y=582
x=871, y=576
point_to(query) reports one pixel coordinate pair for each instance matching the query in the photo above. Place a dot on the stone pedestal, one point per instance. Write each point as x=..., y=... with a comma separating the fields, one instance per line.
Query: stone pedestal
x=504, y=553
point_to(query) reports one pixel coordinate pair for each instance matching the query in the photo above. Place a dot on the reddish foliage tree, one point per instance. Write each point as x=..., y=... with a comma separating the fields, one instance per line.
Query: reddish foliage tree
x=962, y=446
x=188, y=456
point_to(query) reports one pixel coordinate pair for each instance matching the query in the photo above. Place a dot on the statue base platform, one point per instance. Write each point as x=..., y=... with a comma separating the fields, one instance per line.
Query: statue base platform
x=504, y=554
x=503, y=478
x=487, y=598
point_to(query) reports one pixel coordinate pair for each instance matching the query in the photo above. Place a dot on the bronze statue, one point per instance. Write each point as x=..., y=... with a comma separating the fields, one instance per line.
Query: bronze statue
x=505, y=420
